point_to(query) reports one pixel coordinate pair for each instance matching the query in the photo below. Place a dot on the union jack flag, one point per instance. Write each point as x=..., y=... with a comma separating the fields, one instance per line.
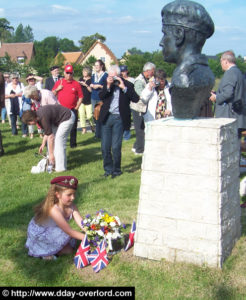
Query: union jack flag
x=131, y=236
x=98, y=258
x=81, y=256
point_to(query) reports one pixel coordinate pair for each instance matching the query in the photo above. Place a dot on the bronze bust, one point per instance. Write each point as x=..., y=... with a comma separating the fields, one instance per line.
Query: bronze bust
x=186, y=25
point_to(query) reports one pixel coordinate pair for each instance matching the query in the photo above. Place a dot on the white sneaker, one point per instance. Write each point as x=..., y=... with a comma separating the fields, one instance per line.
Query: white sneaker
x=133, y=150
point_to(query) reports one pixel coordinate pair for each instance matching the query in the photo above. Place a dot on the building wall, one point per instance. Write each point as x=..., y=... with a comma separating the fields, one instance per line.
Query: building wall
x=100, y=53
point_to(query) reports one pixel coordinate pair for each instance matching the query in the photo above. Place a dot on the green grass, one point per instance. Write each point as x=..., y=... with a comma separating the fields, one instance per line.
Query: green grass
x=20, y=191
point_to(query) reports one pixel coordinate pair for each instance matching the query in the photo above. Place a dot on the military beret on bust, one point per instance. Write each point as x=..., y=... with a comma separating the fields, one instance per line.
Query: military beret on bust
x=70, y=182
x=53, y=68
x=188, y=14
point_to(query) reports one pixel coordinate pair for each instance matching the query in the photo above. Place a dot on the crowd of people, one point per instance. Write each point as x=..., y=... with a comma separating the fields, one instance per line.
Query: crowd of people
x=36, y=107
x=55, y=111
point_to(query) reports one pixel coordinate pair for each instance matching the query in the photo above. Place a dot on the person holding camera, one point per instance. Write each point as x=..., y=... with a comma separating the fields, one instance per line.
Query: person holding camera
x=157, y=97
x=115, y=116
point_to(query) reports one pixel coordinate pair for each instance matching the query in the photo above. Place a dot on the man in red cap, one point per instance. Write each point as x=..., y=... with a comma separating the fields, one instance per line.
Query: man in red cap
x=69, y=93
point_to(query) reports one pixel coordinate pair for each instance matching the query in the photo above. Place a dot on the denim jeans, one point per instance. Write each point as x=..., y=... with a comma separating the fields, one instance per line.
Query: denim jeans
x=112, y=133
x=24, y=128
x=13, y=119
x=3, y=113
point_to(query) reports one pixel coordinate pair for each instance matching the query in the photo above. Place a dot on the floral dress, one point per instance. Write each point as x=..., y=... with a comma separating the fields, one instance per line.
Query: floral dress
x=161, y=105
x=46, y=239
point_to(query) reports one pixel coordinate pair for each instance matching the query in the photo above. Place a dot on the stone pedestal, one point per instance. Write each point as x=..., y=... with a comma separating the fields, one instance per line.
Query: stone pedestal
x=189, y=206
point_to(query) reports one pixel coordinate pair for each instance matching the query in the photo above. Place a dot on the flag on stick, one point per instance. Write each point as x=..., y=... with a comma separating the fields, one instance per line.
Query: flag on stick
x=131, y=236
x=81, y=256
x=98, y=258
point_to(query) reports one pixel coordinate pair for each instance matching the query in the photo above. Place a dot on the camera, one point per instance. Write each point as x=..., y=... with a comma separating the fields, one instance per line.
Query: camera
x=157, y=82
x=116, y=81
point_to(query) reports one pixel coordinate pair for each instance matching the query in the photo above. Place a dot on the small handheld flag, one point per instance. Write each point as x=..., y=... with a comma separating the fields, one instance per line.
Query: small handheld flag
x=98, y=258
x=81, y=256
x=131, y=236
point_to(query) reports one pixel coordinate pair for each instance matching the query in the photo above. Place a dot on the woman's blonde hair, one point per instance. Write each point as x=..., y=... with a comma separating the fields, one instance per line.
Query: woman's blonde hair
x=42, y=210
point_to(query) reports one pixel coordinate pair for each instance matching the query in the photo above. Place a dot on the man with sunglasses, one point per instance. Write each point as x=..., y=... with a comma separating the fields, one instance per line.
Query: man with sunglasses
x=69, y=93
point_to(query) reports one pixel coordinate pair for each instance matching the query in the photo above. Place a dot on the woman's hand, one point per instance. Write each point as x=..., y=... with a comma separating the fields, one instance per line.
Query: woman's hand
x=41, y=148
x=51, y=159
x=167, y=113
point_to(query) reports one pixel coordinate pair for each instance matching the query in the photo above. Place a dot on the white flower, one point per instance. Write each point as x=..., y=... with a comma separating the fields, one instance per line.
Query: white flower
x=118, y=220
x=103, y=224
x=100, y=232
x=112, y=224
x=115, y=235
x=109, y=239
x=85, y=221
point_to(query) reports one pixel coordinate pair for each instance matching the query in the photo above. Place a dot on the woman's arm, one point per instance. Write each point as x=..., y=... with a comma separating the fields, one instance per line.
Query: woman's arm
x=58, y=217
x=77, y=216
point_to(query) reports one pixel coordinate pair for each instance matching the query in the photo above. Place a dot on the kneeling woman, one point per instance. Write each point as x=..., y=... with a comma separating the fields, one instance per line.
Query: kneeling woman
x=57, y=122
x=49, y=232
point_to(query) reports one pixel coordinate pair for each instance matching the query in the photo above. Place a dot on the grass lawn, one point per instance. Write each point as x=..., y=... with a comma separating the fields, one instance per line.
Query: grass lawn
x=20, y=191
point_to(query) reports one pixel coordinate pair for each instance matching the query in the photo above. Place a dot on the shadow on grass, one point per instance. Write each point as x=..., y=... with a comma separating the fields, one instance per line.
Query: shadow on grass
x=135, y=166
x=83, y=156
x=224, y=292
x=20, y=146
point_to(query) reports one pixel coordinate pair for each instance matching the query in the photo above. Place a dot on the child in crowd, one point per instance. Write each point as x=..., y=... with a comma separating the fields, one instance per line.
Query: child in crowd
x=49, y=233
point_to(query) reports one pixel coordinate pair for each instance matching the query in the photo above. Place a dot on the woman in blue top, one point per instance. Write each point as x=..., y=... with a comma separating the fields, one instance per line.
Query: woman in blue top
x=97, y=81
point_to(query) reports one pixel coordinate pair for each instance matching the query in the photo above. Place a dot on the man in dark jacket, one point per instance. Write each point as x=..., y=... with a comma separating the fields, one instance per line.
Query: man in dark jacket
x=2, y=105
x=230, y=97
x=50, y=81
x=115, y=116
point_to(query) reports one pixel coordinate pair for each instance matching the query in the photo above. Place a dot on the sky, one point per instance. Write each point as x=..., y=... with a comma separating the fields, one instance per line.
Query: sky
x=124, y=23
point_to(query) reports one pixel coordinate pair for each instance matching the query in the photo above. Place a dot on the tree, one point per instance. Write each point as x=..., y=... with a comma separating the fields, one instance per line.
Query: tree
x=66, y=45
x=87, y=41
x=90, y=62
x=45, y=51
x=134, y=50
x=5, y=29
x=136, y=62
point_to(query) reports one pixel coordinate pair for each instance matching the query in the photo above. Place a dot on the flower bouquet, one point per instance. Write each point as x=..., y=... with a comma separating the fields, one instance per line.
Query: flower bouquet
x=104, y=226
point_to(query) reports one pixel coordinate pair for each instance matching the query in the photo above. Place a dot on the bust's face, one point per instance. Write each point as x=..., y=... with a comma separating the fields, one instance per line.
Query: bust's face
x=169, y=48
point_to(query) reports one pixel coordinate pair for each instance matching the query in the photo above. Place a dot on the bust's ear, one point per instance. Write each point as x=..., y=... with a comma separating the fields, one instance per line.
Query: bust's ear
x=179, y=35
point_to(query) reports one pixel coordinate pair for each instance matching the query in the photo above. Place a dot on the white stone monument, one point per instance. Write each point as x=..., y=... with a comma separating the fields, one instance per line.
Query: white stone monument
x=189, y=204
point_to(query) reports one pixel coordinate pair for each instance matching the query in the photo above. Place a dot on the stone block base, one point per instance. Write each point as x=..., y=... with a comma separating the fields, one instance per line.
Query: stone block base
x=189, y=203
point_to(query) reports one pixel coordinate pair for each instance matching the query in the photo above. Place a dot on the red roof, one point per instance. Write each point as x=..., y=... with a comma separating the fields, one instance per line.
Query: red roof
x=16, y=50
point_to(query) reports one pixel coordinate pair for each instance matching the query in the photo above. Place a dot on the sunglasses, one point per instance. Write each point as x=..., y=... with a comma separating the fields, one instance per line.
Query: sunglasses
x=70, y=73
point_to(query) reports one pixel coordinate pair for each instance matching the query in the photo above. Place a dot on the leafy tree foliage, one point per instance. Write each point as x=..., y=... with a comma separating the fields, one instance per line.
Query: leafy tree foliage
x=134, y=50
x=5, y=29
x=22, y=35
x=136, y=62
x=87, y=41
x=90, y=62
x=8, y=65
x=66, y=45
